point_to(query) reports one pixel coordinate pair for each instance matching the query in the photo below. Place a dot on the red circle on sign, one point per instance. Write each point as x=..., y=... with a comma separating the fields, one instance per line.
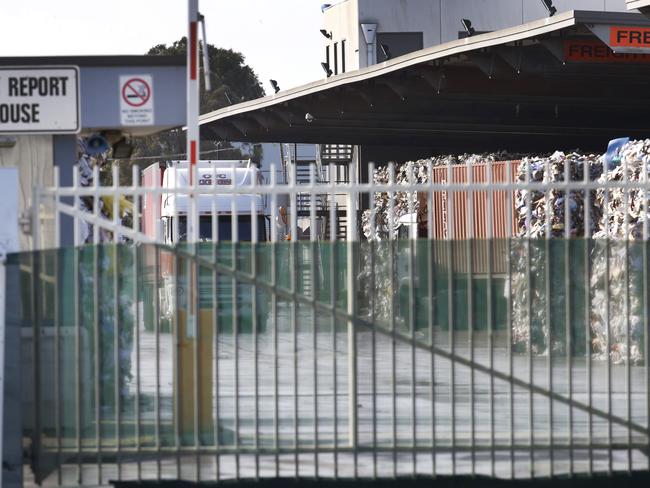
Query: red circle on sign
x=136, y=92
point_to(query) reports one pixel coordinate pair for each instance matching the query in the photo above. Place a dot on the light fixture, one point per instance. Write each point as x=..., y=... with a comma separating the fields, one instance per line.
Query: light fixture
x=548, y=4
x=467, y=25
x=326, y=68
x=327, y=35
x=275, y=85
x=6, y=141
x=96, y=145
x=309, y=118
x=386, y=51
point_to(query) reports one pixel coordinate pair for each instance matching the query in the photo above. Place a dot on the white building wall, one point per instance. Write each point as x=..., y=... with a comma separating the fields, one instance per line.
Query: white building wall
x=403, y=16
x=33, y=156
x=438, y=20
x=342, y=21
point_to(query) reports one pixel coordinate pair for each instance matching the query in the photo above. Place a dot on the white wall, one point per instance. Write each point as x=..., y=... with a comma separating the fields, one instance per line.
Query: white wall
x=439, y=20
x=33, y=156
x=404, y=16
x=342, y=20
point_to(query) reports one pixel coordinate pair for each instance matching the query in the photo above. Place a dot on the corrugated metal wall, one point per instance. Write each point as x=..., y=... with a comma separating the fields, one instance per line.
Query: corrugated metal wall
x=475, y=215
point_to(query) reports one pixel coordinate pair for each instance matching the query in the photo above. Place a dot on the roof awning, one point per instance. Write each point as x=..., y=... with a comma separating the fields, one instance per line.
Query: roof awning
x=552, y=83
x=637, y=4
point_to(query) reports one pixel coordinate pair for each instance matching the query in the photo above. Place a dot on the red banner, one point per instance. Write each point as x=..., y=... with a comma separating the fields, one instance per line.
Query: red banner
x=629, y=37
x=592, y=51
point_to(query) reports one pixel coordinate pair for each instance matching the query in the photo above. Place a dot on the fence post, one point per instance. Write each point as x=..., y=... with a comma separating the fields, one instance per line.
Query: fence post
x=351, y=309
x=8, y=243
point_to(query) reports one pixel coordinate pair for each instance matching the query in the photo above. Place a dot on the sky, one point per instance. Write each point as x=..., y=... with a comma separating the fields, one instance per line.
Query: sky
x=279, y=39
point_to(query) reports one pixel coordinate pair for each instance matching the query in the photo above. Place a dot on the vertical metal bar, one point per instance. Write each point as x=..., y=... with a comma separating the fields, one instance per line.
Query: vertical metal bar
x=37, y=310
x=116, y=357
x=490, y=318
x=352, y=310
x=646, y=298
x=547, y=308
x=431, y=211
x=78, y=322
x=373, y=331
x=609, y=331
x=393, y=352
x=529, y=305
x=450, y=311
x=193, y=320
x=411, y=314
x=293, y=249
x=136, y=317
x=470, y=309
x=176, y=323
x=96, y=325
x=57, y=329
x=509, y=336
x=254, y=313
x=313, y=235
x=235, y=316
x=117, y=322
x=274, y=315
x=568, y=197
x=587, y=280
x=156, y=317
x=333, y=298
x=628, y=358
x=215, y=323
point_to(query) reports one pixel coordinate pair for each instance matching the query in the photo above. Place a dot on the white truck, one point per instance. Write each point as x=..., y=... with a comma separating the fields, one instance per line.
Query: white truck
x=166, y=215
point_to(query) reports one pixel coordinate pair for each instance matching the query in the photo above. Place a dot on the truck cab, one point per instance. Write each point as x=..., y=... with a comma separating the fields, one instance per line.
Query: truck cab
x=166, y=215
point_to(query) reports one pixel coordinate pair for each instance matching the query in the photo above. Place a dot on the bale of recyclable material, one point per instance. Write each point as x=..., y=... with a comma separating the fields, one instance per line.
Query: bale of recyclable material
x=381, y=270
x=542, y=214
x=618, y=264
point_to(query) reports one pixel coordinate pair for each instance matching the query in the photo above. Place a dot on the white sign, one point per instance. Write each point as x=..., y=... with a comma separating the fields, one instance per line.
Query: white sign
x=39, y=100
x=136, y=100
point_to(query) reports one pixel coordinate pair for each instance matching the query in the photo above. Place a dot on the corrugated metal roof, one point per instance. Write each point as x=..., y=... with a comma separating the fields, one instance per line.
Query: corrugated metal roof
x=632, y=4
x=492, y=88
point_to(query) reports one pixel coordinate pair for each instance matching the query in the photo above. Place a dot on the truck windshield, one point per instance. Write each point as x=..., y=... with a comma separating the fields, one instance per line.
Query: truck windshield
x=224, y=228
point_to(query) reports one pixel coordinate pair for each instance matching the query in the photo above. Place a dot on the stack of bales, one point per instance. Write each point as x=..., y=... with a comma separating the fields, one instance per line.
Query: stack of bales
x=540, y=214
x=618, y=264
x=378, y=268
x=614, y=215
x=410, y=172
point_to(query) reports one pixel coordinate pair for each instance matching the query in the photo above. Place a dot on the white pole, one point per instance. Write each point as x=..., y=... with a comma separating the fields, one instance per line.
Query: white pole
x=9, y=185
x=192, y=111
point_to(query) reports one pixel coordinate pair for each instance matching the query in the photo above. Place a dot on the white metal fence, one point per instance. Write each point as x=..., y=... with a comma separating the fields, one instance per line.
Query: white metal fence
x=478, y=352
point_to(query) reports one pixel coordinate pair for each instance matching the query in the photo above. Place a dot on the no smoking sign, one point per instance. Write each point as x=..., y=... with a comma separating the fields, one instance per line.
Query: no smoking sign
x=136, y=100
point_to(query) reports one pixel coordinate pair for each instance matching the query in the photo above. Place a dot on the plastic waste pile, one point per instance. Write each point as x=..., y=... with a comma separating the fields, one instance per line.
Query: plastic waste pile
x=376, y=225
x=613, y=216
x=540, y=214
x=617, y=260
x=377, y=269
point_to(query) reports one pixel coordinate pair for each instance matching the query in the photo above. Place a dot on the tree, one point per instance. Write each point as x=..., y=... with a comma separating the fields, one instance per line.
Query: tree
x=232, y=82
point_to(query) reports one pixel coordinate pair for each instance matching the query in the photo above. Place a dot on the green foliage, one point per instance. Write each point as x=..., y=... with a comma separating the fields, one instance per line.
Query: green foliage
x=232, y=82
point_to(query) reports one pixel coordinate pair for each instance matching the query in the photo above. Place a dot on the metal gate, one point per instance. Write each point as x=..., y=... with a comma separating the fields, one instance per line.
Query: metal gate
x=220, y=361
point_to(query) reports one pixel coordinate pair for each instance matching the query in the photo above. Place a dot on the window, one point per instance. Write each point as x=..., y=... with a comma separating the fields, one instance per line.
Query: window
x=398, y=43
x=342, y=56
x=336, y=58
x=224, y=228
x=327, y=55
